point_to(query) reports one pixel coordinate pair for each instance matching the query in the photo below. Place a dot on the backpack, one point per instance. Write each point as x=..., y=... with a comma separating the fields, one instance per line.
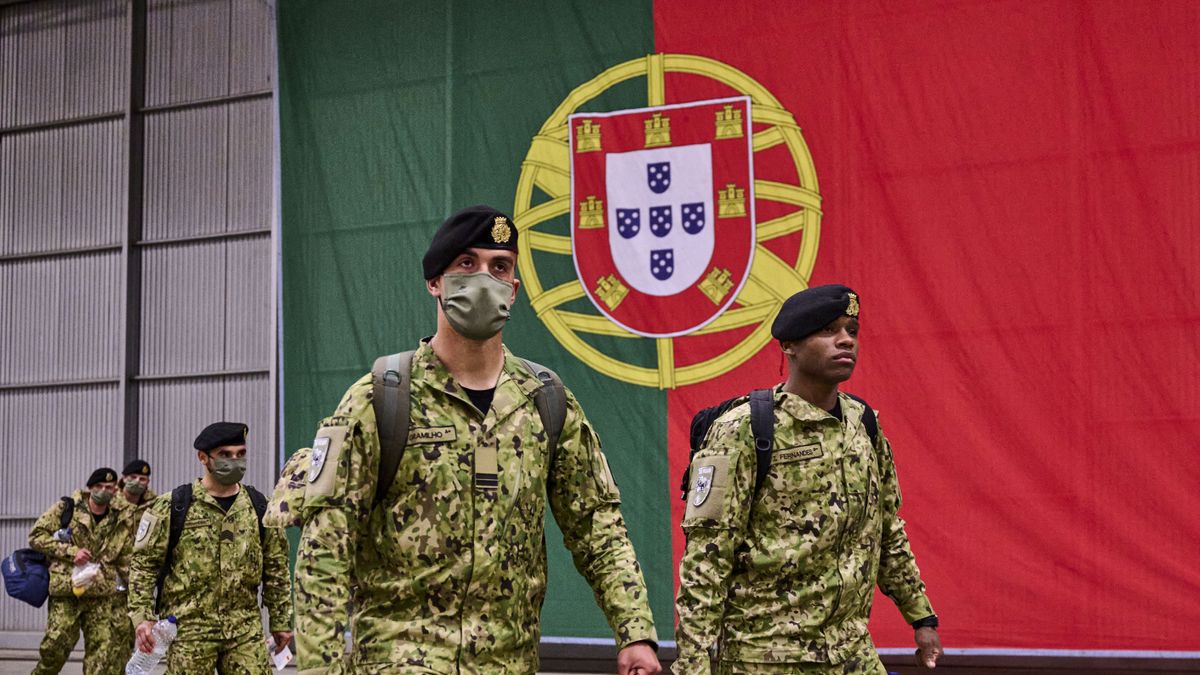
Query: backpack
x=27, y=572
x=762, y=425
x=181, y=502
x=392, y=378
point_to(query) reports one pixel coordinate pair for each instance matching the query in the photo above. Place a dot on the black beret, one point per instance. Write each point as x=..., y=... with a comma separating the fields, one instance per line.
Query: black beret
x=473, y=227
x=102, y=475
x=812, y=309
x=137, y=466
x=220, y=434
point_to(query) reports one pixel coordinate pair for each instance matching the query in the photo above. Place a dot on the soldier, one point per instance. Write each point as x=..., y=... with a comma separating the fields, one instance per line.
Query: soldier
x=449, y=572
x=134, y=496
x=135, y=488
x=96, y=534
x=779, y=578
x=287, y=500
x=211, y=579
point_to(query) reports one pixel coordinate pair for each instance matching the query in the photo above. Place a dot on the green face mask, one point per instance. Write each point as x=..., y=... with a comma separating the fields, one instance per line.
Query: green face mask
x=135, y=488
x=102, y=497
x=476, y=304
x=227, y=471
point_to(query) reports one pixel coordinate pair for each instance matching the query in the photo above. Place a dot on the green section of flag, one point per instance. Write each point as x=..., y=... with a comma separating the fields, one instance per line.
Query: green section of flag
x=392, y=116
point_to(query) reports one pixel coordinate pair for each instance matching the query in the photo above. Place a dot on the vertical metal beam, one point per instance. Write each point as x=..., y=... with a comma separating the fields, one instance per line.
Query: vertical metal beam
x=131, y=261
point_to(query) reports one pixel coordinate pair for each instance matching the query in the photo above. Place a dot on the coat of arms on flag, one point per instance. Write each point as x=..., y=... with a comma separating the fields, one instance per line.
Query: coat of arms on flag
x=662, y=218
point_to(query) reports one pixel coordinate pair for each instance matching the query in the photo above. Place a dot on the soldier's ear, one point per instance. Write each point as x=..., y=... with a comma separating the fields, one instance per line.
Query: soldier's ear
x=516, y=286
x=434, y=286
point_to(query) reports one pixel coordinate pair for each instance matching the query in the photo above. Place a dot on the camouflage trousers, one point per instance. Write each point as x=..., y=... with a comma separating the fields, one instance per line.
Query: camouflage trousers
x=245, y=654
x=107, y=634
x=864, y=661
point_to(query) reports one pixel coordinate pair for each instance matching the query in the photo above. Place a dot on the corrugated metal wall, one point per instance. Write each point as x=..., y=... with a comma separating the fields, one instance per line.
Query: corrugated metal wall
x=193, y=254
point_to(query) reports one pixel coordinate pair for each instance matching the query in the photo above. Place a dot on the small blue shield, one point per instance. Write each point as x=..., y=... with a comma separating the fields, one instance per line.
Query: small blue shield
x=662, y=263
x=658, y=176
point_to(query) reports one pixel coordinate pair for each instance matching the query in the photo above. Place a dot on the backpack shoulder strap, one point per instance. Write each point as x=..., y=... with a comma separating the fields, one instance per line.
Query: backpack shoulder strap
x=68, y=510
x=762, y=425
x=392, y=378
x=868, y=418
x=181, y=501
x=259, y=500
x=551, y=402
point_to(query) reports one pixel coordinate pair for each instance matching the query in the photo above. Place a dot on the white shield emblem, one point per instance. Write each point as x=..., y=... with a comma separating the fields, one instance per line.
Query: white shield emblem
x=660, y=201
x=319, y=452
x=703, y=485
x=143, y=528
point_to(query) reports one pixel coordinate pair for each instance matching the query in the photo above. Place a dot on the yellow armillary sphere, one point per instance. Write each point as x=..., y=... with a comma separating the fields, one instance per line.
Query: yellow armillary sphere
x=547, y=166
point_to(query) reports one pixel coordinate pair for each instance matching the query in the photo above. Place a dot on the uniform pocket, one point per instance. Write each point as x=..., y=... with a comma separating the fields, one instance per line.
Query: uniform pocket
x=423, y=510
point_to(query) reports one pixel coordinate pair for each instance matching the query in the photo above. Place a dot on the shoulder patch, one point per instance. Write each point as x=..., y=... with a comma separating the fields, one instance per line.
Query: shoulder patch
x=145, y=528
x=707, y=496
x=328, y=445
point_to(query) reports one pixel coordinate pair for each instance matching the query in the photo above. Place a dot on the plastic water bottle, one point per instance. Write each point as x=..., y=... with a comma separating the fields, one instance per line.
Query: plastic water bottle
x=143, y=663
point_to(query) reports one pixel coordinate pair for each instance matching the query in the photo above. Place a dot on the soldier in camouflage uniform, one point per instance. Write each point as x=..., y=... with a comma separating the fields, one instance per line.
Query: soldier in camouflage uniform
x=448, y=574
x=134, y=489
x=783, y=581
x=287, y=500
x=98, y=534
x=219, y=563
x=133, y=496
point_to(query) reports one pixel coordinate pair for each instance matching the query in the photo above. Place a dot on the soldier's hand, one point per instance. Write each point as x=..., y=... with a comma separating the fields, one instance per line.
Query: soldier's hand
x=929, y=647
x=145, y=636
x=83, y=557
x=638, y=659
x=282, y=638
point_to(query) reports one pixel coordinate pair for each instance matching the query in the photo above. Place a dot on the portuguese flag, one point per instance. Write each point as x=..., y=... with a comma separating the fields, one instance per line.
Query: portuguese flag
x=1010, y=187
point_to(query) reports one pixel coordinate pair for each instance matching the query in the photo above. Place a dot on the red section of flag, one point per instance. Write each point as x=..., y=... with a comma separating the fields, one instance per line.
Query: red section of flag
x=1011, y=188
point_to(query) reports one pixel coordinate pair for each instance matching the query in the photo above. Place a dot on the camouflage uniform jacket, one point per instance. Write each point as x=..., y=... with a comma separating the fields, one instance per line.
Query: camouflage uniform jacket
x=123, y=503
x=450, y=571
x=789, y=577
x=107, y=540
x=213, y=586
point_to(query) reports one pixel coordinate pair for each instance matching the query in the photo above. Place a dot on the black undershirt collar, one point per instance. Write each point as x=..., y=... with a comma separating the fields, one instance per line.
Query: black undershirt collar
x=482, y=398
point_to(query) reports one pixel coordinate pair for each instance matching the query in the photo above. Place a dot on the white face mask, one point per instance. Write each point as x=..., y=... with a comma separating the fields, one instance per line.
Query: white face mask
x=476, y=304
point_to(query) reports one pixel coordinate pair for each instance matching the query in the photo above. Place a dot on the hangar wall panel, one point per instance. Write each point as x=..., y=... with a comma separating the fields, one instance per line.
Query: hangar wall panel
x=63, y=187
x=252, y=47
x=186, y=158
x=72, y=431
x=60, y=60
x=202, y=49
x=183, y=296
x=249, y=340
x=59, y=318
x=251, y=165
x=209, y=170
